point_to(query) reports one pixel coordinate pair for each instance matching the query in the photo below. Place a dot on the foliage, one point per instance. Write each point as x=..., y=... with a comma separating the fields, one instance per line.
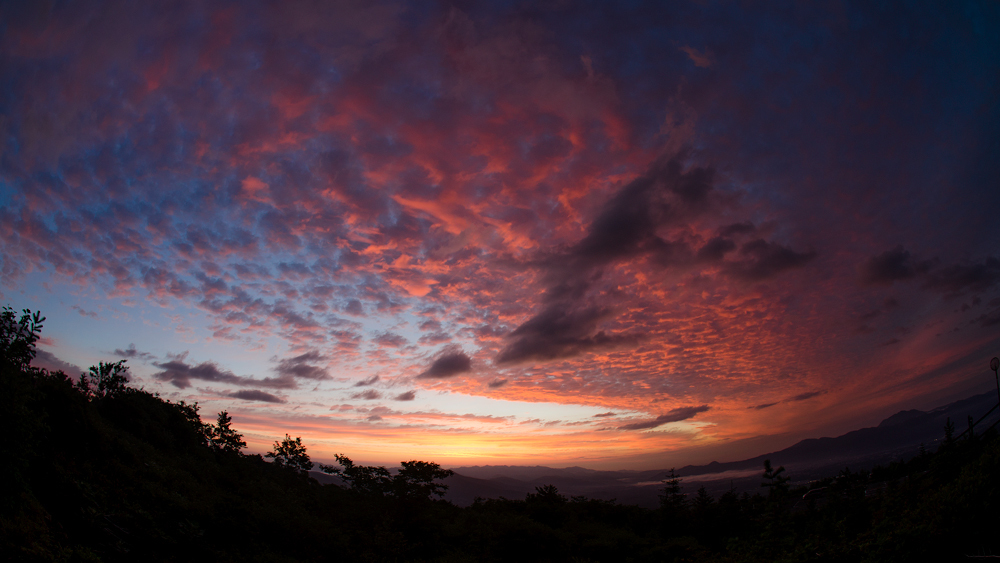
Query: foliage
x=364, y=479
x=105, y=380
x=119, y=474
x=671, y=498
x=18, y=338
x=414, y=480
x=225, y=438
x=775, y=483
x=291, y=454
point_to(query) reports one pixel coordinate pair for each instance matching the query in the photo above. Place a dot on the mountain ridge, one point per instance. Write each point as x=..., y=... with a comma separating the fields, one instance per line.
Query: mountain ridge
x=899, y=436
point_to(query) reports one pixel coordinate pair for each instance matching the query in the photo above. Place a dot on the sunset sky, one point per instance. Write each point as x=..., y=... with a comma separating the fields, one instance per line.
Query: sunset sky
x=615, y=235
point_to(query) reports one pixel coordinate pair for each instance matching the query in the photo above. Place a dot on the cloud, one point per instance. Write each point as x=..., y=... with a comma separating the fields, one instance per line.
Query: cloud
x=435, y=338
x=700, y=60
x=298, y=366
x=634, y=223
x=448, y=365
x=369, y=395
x=899, y=264
x=630, y=220
x=716, y=249
x=558, y=332
x=807, y=395
x=605, y=414
x=355, y=308
x=390, y=340
x=179, y=374
x=367, y=381
x=799, y=397
x=763, y=259
x=406, y=396
x=736, y=229
x=974, y=276
x=498, y=382
x=893, y=265
x=84, y=313
x=131, y=352
x=675, y=415
x=47, y=360
x=256, y=395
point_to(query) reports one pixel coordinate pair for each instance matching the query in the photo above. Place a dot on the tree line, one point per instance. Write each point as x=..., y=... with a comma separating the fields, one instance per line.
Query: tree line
x=97, y=470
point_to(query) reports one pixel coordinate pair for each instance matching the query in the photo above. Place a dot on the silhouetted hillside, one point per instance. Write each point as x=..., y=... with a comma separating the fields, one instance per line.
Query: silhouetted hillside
x=897, y=437
x=96, y=470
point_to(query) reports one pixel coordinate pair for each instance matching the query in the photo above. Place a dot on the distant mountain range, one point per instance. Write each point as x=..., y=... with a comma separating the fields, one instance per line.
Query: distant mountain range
x=897, y=437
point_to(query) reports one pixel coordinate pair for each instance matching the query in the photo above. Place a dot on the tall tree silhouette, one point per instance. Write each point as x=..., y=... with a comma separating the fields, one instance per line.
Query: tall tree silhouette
x=225, y=438
x=105, y=380
x=18, y=338
x=774, y=481
x=291, y=454
x=671, y=498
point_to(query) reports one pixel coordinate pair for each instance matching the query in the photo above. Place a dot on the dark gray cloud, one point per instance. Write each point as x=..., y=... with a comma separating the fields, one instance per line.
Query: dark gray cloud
x=629, y=222
x=605, y=414
x=675, y=415
x=559, y=332
x=84, y=312
x=354, y=307
x=971, y=276
x=367, y=381
x=390, y=340
x=448, y=365
x=799, y=397
x=716, y=249
x=256, y=395
x=737, y=229
x=761, y=259
x=131, y=352
x=430, y=324
x=899, y=264
x=369, y=395
x=498, y=382
x=179, y=374
x=299, y=366
x=47, y=360
x=629, y=226
x=893, y=265
x=987, y=320
x=407, y=396
x=807, y=395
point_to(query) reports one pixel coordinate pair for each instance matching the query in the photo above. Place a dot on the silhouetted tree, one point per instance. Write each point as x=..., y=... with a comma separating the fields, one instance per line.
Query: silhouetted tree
x=226, y=439
x=774, y=481
x=365, y=479
x=671, y=498
x=416, y=479
x=949, y=433
x=18, y=338
x=703, y=501
x=105, y=380
x=547, y=494
x=290, y=453
x=190, y=413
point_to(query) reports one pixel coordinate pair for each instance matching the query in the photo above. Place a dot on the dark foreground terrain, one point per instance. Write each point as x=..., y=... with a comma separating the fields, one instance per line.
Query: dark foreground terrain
x=101, y=471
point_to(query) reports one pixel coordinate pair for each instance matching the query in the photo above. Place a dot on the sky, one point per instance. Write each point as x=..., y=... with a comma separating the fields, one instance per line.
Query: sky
x=613, y=235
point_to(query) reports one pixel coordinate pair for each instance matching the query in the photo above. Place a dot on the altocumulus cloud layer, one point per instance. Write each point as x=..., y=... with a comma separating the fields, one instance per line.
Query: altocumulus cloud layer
x=697, y=222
